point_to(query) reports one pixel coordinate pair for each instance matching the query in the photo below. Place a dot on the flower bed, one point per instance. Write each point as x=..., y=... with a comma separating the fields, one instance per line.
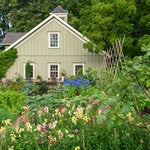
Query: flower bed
x=73, y=125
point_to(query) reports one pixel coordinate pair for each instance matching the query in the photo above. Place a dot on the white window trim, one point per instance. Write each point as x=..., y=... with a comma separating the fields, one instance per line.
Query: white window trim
x=75, y=64
x=58, y=69
x=49, y=45
x=33, y=64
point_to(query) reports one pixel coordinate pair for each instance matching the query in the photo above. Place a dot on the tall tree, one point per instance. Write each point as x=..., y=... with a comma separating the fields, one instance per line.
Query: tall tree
x=106, y=20
x=25, y=15
x=4, y=20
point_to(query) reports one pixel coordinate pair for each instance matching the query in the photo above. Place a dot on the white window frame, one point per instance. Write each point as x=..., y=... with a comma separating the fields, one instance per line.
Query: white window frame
x=32, y=64
x=50, y=64
x=49, y=39
x=75, y=64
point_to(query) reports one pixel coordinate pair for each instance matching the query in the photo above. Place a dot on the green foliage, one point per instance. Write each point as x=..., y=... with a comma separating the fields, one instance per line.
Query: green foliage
x=13, y=86
x=101, y=21
x=12, y=102
x=109, y=114
x=7, y=59
x=29, y=89
x=139, y=68
x=29, y=71
x=68, y=125
x=4, y=23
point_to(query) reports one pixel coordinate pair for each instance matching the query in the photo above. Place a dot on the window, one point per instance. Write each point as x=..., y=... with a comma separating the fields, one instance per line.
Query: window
x=53, y=40
x=77, y=68
x=53, y=70
x=29, y=73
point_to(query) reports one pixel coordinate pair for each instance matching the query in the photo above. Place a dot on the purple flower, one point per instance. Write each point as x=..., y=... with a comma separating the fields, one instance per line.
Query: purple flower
x=76, y=131
x=43, y=127
x=40, y=142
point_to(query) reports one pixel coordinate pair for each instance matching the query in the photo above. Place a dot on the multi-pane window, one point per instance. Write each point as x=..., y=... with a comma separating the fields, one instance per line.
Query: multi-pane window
x=54, y=71
x=78, y=69
x=53, y=39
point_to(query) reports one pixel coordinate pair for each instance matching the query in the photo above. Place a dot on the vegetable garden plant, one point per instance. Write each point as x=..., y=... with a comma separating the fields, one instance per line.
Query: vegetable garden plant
x=107, y=114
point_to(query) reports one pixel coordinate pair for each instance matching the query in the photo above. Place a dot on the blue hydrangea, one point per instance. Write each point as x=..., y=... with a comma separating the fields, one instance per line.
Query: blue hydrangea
x=78, y=82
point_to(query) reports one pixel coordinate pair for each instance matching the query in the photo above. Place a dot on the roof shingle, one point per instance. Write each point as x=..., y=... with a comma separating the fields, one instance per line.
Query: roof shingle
x=12, y=37
x=59, y=9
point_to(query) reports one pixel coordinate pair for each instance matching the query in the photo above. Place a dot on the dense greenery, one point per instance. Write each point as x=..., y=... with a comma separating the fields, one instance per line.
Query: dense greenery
x=7, y=59
x=101, y=21
x=12, y=102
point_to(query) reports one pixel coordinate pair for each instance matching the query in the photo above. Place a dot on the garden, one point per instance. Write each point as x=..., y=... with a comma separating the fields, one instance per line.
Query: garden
x=94, y=111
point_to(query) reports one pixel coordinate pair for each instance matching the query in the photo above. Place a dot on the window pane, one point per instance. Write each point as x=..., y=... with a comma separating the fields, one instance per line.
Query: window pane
x=54, y=71
x=53, y=40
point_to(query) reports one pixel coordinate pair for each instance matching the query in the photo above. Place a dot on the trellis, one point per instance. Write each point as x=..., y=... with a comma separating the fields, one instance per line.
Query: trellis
x=113, y=57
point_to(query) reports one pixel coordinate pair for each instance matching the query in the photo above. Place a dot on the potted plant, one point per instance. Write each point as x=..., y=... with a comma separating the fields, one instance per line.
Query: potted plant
x=62, y=75
x=63, y=72
x=38, y=78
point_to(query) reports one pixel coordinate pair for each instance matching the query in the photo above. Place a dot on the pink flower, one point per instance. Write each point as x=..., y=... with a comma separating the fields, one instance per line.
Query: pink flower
x=76, y=131
x=94, y=119
x=91, y=100
x=45, y=109
x=43, y=127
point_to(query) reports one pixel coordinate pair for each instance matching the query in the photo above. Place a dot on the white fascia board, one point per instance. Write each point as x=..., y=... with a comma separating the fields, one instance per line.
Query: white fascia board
x=67, y=26
x=30, y=32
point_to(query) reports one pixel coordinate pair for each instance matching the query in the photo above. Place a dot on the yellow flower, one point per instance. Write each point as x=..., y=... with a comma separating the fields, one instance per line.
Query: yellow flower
x=56, y=112
x=74, y=119
x=86, y=119
x=77, y=148
x=60, y=134
x=19, y=130
x=130, y=118
x=7, y=122
x=11, y=148
x=69, y=112
x=70, y=136
x=129, y=114
x=38, y=127
x=2, y=129
x=67, y=131
x=13, y=137
x=79, y=113
x=29, y=127
x=68, y=104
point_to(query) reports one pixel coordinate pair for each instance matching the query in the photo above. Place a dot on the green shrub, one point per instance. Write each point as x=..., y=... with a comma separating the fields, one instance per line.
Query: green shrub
x=12, y=102
x=29, y=89
x=7, y=59
x=13, y=86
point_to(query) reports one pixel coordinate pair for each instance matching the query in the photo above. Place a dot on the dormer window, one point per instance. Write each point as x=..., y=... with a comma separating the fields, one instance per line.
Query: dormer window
x=53, y=39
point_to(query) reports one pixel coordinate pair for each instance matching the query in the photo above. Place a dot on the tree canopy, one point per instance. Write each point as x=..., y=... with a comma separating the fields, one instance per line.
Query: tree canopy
x=102, y=21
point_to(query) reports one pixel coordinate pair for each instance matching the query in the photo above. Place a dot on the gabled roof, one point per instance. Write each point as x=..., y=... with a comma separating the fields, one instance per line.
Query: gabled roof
x=12, y=37
x=59, y=9
x=53, y=16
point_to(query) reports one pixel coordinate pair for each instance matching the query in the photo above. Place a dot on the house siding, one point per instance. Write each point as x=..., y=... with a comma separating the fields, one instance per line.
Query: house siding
x=35, y=49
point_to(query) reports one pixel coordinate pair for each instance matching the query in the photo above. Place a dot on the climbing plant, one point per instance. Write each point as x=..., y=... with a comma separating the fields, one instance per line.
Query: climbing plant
x=7, y=59
x=29, y=71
